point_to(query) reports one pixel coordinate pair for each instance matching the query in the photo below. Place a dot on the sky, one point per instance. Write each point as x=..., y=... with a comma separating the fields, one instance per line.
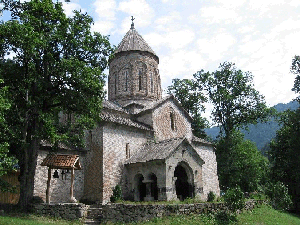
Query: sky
x=260, y=36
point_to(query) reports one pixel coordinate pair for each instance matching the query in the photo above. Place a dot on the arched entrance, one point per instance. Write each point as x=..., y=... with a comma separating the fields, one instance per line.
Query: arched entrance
x=140, y=188
x=184, y=181
x=154, y=189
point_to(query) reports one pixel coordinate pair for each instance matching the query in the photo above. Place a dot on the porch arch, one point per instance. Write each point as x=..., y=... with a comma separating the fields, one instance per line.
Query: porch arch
x=184, y=183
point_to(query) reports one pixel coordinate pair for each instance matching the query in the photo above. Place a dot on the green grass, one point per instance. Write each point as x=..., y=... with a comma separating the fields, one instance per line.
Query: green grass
x=29, y=219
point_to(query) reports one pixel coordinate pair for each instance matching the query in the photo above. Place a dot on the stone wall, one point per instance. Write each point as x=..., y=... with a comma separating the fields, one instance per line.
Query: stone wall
x=131, y=213
x=59, y=188
x=115, y=139
x=69, y=211
x=209, y=169
x=162, y=122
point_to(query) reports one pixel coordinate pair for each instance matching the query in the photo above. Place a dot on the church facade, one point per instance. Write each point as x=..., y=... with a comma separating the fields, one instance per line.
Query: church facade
x=144, y=142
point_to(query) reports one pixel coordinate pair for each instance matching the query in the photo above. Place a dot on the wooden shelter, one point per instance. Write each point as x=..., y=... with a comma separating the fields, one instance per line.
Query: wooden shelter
x=61, y=161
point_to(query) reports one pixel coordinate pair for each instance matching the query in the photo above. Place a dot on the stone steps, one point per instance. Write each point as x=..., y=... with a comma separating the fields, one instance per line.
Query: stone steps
x=94, y=215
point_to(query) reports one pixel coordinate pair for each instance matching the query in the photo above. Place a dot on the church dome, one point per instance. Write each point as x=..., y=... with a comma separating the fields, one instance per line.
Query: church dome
x=134, y=78
x=133, y=41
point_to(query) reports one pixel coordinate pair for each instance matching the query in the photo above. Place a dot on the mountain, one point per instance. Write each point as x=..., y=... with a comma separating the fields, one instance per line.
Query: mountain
x=261, y=133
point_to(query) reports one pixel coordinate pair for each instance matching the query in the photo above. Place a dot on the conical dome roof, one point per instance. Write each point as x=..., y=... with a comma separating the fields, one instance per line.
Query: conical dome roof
x=133, y=41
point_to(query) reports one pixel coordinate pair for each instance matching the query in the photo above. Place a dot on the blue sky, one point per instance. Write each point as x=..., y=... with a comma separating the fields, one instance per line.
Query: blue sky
x=260, y=36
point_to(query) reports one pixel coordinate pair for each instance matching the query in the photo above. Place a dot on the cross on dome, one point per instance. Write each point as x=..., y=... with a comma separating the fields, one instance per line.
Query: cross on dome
x=132, y=24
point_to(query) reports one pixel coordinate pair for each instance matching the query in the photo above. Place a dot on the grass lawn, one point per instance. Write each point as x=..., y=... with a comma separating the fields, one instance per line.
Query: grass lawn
x=263, y=215
x=25, y=219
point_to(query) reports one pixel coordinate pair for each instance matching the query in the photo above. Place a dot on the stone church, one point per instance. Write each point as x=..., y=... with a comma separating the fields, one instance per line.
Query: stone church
x=144, y=142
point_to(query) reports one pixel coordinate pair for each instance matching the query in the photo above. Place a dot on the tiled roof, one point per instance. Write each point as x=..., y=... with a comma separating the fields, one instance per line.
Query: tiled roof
x=115, y=118
x=155, y=151
x=200, y=140
x=62, y=161
x=133, y=41
x=112, y=105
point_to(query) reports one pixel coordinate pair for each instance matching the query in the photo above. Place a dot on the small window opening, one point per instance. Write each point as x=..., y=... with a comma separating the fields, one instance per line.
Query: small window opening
x=115, y=84
x=127, y=151
x=126, y=79
x=151, y=81
x=140, y=79
x=172, y=121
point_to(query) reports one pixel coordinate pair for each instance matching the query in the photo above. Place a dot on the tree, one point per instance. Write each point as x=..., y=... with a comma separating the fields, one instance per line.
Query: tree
x=285, y=148
x=192, y=99
x=240, y=163
x=7, y=162
x=57, y=69
x=236, y=102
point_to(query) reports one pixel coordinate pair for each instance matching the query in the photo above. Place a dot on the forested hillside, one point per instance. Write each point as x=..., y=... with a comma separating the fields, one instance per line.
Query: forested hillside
x=261, y=133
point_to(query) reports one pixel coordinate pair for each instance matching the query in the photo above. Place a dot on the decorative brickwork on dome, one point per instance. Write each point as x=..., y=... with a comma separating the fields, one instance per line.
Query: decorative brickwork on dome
x=133, y=72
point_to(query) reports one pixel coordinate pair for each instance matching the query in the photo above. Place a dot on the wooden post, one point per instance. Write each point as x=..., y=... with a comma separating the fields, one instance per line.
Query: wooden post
x=72, y=185
x=48, y=186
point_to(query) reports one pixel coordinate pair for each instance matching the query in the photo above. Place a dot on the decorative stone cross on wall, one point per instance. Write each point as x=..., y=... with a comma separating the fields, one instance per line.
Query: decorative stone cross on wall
x=61, y=161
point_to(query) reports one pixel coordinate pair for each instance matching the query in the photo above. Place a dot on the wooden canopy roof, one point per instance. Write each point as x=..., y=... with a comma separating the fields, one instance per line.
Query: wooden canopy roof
x=62, y=161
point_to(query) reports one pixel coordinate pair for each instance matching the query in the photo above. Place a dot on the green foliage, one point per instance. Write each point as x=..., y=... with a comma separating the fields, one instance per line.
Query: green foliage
x=55, y=79
x=240, y=163
x=236, y=102
x=280, y=198
x=192, y=99
x=117, y=194
x=234, y=199
x=211, y=196
x=284, y=154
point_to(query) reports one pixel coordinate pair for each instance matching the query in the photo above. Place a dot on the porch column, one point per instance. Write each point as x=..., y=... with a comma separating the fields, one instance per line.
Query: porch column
x=72, y=199
x=48, y=186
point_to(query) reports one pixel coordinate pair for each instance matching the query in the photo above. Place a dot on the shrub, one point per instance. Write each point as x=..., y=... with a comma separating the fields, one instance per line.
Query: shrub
x=117, y=194
x=278, y=193
x=211, y=196
x=234, y=199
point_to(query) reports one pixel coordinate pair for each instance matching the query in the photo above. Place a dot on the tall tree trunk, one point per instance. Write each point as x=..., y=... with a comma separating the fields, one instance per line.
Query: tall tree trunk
x=27, y=161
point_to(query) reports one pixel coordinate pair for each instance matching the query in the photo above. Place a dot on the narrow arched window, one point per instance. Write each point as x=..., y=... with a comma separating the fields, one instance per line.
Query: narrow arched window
x=140, y=79
x=151, y=81
x=172, y=119
x=116, y=79
x=126, y=79
x=127, y=151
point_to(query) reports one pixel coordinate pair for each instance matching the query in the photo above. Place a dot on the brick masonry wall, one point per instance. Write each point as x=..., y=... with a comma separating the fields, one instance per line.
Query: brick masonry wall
x=209, y=169
x=93, y=183
x=59, y=189
x=119, y=90
x=115, y=138
x=162, y=122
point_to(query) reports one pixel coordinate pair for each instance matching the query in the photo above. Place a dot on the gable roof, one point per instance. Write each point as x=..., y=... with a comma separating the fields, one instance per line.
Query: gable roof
x=157, y=151
x=133, y=41
x=62, y=161
x=155, y=105
x=115, y=118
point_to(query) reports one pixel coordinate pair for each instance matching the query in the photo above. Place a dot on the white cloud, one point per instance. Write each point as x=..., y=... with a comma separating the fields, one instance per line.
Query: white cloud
x=69, y=7
x=105, y=9
x=216, y=46
x=173, y=40
x=216, y=14
x=105, y=16
x=180, y=64
x=139, y=9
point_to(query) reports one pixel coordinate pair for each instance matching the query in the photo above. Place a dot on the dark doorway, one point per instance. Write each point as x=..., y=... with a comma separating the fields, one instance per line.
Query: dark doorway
x=154, y=189
x=140, y=187
x=183, y=188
